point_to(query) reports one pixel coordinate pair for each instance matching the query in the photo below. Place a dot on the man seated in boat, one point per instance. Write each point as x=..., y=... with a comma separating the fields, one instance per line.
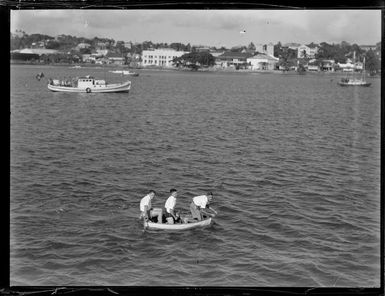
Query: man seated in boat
x=199, y=203
x=169, y=213
x=147, y=211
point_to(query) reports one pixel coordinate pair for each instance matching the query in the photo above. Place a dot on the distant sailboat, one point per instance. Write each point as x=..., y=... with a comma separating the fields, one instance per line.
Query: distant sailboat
x=353, y=81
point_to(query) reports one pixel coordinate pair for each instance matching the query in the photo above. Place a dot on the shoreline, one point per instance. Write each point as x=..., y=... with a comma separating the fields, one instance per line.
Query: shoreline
x=205, y=70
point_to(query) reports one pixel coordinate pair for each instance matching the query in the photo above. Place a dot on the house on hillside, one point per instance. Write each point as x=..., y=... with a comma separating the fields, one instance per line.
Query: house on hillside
x=101, y=45
x=203, y=49
x=262, y=61
x=60, y=37
x=91, y=58
x=307, y=51
x=232, y=59
x=39, y=44
x=83, y=45
x=368, y=47
x=102, y=52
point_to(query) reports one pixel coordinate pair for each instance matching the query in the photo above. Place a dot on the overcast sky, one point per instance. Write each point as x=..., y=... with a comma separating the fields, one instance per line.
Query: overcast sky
x=206, y=27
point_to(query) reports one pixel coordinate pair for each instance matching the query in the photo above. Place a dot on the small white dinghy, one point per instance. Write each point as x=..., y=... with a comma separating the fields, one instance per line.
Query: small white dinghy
x=124, y=72
x=182, y=226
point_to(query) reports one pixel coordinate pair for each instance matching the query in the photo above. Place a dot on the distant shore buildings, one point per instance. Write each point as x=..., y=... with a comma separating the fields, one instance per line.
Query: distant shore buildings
x=258, y=57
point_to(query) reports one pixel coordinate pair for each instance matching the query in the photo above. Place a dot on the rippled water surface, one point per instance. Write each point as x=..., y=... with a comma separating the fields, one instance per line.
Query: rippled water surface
x=293, y=161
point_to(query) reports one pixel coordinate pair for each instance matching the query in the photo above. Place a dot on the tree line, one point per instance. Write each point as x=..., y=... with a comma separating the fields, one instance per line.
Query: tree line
x=287, y=56
x=68, y=42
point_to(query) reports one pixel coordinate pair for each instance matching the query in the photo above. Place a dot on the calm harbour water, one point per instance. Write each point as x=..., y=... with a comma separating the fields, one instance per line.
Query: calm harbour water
x=293, y=161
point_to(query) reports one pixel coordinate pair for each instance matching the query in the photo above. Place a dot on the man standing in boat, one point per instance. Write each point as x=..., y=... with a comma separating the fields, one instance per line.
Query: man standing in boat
x=170, y=207
x=201, y=202
x=147, y=211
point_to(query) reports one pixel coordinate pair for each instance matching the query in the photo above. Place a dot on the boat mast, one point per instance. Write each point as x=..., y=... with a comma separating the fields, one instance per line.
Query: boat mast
x=354, y=65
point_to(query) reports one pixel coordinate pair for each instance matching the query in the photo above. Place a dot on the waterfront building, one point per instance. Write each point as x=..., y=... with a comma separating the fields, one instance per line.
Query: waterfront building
x=262, y=61
x=346, y=67
x=232, y=59
x=313, y=68
x=102, y=61
x=91, y=58
x=115, y=58
x=160, y=57
x=85, y=57
x=351, y=66
x=327, y=65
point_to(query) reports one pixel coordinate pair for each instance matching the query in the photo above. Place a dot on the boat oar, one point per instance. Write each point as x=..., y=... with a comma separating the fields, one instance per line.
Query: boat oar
x=210, y=214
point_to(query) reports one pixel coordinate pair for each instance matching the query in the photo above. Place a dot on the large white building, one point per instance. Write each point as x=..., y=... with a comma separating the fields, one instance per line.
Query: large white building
x=160, y=57
x=262, y=61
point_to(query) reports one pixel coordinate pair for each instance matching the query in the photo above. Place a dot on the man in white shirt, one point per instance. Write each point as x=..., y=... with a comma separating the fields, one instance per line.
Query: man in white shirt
x=170, y=206
x=146, y=209
x=201, y=202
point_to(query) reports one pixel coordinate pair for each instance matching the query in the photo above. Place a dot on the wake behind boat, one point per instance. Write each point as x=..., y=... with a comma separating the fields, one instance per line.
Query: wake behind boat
x=88, y=84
